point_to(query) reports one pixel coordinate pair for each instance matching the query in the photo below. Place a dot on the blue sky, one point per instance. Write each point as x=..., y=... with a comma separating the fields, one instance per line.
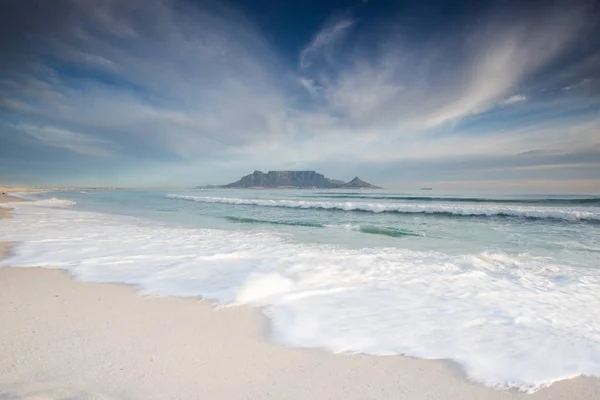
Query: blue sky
x=403, y=93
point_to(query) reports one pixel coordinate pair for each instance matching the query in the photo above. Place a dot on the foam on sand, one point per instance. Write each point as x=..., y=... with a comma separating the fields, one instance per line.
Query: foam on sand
x=510, y=320
x=454, y=209
x=32, y=199
x=50, y=203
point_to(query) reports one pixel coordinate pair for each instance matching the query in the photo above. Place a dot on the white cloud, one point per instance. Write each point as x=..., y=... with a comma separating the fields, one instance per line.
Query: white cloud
x=517, y=98
x=398, y=88
x=504, y=55
x=62, y=138
x=332, y=32
x=309, y=85
x=584, y=83
x=556, y=166
x=185, y=81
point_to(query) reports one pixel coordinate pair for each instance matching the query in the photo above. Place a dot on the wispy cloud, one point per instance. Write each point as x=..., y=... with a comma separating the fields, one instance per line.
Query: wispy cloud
x=517, y=98
x=62, y=138
x=405, y=87
x=556, y=166
x=504, y=55
x=197, y=87
x=584, y=83
x=320, y=45
x=187, y=81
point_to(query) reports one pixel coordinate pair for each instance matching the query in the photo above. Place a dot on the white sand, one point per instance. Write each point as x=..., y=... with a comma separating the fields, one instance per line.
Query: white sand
x=63, y=339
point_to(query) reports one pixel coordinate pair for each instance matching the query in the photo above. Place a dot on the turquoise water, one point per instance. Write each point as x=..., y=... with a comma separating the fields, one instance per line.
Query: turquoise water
x=507, y=286
x=541, y=225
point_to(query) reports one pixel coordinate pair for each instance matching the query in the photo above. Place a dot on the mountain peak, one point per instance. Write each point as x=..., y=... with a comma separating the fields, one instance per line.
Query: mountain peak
x=358, y=183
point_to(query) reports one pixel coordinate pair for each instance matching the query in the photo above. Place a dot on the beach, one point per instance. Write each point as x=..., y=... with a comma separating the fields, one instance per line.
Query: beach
x=63, y=339
x=5, y=212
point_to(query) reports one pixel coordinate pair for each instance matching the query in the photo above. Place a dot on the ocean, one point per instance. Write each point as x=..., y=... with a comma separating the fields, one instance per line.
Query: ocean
x=506, y=286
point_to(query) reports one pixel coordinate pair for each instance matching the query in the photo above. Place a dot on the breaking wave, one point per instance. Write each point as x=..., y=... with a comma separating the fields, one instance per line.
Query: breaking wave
x=448, y=209
x=544, y=201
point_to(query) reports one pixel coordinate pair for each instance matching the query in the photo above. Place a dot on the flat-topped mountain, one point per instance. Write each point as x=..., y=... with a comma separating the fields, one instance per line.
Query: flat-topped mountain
x=296, y=179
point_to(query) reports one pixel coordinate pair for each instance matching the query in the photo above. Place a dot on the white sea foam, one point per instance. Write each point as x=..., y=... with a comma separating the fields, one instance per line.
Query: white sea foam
x=562, y=213
x=35, y=195
x=510, y=320
x=346, y=227
x=49, y=203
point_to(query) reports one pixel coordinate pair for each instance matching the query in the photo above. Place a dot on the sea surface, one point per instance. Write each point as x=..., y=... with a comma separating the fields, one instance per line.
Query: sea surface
x=507, y=286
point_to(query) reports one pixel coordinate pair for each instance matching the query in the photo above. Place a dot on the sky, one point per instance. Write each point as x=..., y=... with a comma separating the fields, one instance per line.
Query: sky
x=464, y=94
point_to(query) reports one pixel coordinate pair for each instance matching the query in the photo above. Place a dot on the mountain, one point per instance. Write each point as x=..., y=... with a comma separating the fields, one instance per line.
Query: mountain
x=296, y=179
x=358, y=183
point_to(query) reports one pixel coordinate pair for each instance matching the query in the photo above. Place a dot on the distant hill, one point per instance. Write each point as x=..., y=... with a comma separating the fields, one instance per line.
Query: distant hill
x=296, y=179
x=358, y=183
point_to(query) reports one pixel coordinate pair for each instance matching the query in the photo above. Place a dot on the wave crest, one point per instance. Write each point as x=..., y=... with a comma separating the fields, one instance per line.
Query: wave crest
x=544, y=201
x=449, y=209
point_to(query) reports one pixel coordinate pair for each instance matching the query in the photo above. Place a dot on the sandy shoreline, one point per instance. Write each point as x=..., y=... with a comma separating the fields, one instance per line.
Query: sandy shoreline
x=64, y=339
x=6, y=212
